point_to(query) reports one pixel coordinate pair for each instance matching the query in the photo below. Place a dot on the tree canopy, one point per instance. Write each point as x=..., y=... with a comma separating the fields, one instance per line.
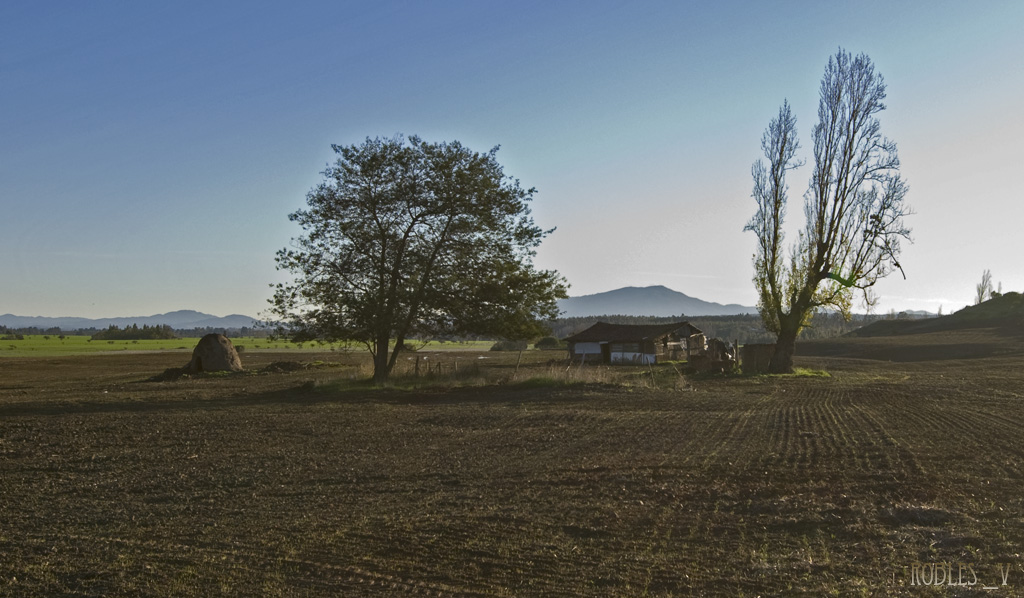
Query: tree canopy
x=853, y=207
x=408, y=239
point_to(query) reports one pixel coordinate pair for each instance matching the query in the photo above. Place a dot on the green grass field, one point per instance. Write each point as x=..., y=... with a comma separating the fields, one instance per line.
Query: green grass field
x=53, y=346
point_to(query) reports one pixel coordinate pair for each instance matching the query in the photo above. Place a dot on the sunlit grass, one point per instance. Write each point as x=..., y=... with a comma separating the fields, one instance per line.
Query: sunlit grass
x=803, y=373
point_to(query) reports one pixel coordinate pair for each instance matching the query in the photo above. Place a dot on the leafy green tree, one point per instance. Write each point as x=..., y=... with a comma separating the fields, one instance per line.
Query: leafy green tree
x=853, y=208
x=409, y=239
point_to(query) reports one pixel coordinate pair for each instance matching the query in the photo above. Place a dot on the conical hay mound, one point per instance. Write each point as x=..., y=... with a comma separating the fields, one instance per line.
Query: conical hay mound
x=214, y=353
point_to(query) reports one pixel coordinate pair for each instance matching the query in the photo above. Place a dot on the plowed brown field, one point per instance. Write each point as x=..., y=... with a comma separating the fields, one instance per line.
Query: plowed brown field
x=292, y=484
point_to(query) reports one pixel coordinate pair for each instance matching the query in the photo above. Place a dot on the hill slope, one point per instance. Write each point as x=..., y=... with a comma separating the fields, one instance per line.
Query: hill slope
x=993, y=328
x=1005, y=313
x=646, y=301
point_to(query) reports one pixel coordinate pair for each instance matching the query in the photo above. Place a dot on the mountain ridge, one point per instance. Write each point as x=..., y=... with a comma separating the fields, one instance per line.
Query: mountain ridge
x=180, y=319
x=657, y=300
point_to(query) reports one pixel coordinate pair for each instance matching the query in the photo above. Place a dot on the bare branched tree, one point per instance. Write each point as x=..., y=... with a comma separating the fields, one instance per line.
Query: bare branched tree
x=984, y=288
x=854, y=206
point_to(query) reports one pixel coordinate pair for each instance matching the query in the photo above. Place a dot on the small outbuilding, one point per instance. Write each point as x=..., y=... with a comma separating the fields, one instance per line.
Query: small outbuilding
x=636, y=344
x=757, y=358
x=718, y=356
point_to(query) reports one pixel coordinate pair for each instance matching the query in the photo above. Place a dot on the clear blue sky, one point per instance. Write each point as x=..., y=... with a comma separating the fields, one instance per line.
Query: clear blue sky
x=151, y=152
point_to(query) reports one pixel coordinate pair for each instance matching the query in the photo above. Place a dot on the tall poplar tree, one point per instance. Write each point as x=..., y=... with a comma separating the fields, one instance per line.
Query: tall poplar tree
x=854, y=206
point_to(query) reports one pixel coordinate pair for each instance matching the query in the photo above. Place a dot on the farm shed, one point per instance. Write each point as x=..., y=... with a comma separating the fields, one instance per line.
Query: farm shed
x=640, y=344
x=718, y=356
x=756, y=358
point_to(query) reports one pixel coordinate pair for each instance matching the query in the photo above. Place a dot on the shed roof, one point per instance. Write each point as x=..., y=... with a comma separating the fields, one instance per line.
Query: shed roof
x=624, y=333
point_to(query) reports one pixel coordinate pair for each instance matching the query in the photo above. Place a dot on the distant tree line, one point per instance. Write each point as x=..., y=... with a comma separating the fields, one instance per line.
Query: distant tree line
x=134, y=332
x=746, y=328
x=30, y=330
x=246, y=331
x=743, y=328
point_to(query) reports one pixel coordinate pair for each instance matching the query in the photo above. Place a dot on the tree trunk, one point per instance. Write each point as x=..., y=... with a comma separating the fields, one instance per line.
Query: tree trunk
x=785, y=346
x=380, y=362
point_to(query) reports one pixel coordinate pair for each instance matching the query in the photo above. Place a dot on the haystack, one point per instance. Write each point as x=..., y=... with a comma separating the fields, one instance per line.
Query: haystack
x=214, y=353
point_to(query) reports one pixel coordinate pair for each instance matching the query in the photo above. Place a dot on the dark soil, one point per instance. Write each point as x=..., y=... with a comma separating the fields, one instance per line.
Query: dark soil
x=304, y=483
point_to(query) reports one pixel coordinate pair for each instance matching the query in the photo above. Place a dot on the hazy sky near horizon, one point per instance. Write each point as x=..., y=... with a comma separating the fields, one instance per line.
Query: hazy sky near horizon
x=150, y=153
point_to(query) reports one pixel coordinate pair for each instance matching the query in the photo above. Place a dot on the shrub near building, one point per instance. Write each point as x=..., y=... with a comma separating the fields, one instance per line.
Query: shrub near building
x=549, y=343
x=510, y=346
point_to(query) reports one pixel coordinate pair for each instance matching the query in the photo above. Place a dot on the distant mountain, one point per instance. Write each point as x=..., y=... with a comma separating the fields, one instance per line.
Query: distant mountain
x=183, y=319
x=646, y=301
